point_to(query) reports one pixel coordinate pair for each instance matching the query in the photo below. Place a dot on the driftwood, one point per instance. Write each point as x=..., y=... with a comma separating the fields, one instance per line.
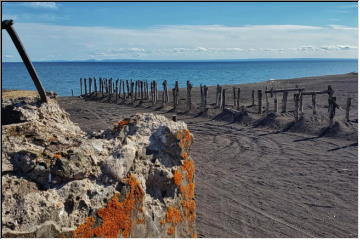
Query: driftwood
x=348, y=104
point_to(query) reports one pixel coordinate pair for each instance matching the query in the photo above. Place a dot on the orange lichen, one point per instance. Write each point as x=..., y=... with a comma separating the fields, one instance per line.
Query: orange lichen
x=194, y=235
x=185, y=138
x=189, y=167
x=173, y=215
x=183, y=178
x=171, y=230
x=124, y=122
x=119, y=125
x=188, y=190
x=57, y=156
x=140, y=220
x=190, y=207
x=116, y=216
x=177, y=177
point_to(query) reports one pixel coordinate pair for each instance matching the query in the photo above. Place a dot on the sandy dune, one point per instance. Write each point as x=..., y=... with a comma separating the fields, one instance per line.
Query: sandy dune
x=270, y=180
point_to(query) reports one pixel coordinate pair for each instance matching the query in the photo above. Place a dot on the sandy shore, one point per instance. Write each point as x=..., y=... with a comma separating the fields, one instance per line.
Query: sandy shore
x=262, y=175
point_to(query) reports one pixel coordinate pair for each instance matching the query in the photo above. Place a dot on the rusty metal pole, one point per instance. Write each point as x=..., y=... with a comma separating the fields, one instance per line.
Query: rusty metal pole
x=7, y=25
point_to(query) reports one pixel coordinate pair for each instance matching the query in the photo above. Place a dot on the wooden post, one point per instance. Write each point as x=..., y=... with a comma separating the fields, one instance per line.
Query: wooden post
x=275, y=103
x=296, y=101
x=164, y=83
x=348, y=104
x=217, y=96
x=85, y=86
x=72, y=92
x=156, y=92
x=267, y=106
x=238, y=99
x=330, y=93
x=166, y=96
x=260, y=101
x=332, y=111
x=223, y=100
x=253, y=97
x=81, y=87
x=140, y=89
x=177, y=91
x=136, y=88
x=188, y=95
x=132, y=91
x=301, y=106
x=313, y=99
x=201, y=97
x=234, y=96
x=205, y=96
x=90, y=83
x=95, y=87
x=284, y=101
x=117, y=90
x=127, y=89
x=174, y=98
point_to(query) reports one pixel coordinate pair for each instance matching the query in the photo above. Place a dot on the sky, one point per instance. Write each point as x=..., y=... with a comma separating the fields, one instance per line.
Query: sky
x=182, y=31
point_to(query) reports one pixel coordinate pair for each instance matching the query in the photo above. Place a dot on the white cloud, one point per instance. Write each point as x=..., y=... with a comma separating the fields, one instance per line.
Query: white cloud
x=13, y=17
x=45, y=5
x=186, y=41
x=342, y=27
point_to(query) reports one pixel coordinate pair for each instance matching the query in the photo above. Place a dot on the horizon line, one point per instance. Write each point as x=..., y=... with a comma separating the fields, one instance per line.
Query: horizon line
x=180, y=60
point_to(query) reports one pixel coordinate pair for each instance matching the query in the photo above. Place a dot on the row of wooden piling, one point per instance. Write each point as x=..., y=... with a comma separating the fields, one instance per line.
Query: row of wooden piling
x=139, y=90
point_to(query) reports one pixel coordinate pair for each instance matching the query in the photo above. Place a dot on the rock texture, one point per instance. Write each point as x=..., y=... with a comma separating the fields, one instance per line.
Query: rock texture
x=135, y=180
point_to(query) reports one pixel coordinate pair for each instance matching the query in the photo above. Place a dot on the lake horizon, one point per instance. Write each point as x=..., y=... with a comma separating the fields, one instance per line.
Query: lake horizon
x=64, y=76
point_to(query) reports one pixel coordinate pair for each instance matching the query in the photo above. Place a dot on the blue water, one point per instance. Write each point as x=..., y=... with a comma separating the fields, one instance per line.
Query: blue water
x=61, y=77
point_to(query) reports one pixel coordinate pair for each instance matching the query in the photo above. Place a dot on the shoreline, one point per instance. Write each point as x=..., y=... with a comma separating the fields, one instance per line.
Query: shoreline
x=270, y=179
x=344, y=86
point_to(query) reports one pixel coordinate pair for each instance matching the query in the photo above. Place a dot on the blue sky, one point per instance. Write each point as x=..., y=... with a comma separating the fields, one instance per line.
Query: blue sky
x=183, y=31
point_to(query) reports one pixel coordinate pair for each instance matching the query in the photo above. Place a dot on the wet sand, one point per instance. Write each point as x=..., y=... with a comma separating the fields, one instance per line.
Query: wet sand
x=261, y=175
